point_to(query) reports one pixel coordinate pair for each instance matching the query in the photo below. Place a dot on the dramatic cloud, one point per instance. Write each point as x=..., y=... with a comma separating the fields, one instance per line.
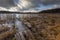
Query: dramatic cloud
x=21, y=5
x=50, y=1
x=6, y=3
x=26, y=4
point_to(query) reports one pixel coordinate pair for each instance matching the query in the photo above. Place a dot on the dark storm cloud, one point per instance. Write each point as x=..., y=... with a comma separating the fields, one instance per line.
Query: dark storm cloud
x=22, y=5
x=50, y=1
x=46, y=1
x=6, y=3
x=9, y=3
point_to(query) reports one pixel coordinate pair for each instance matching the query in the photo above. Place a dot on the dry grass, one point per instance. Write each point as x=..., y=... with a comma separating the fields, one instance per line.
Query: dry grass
x=46, y=27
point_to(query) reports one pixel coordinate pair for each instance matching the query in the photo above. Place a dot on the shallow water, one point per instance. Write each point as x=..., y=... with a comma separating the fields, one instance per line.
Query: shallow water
x=20, y=26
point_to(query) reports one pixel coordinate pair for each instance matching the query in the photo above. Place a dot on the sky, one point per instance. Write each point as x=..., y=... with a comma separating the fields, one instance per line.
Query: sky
x=6, y=3
x=22, y=5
